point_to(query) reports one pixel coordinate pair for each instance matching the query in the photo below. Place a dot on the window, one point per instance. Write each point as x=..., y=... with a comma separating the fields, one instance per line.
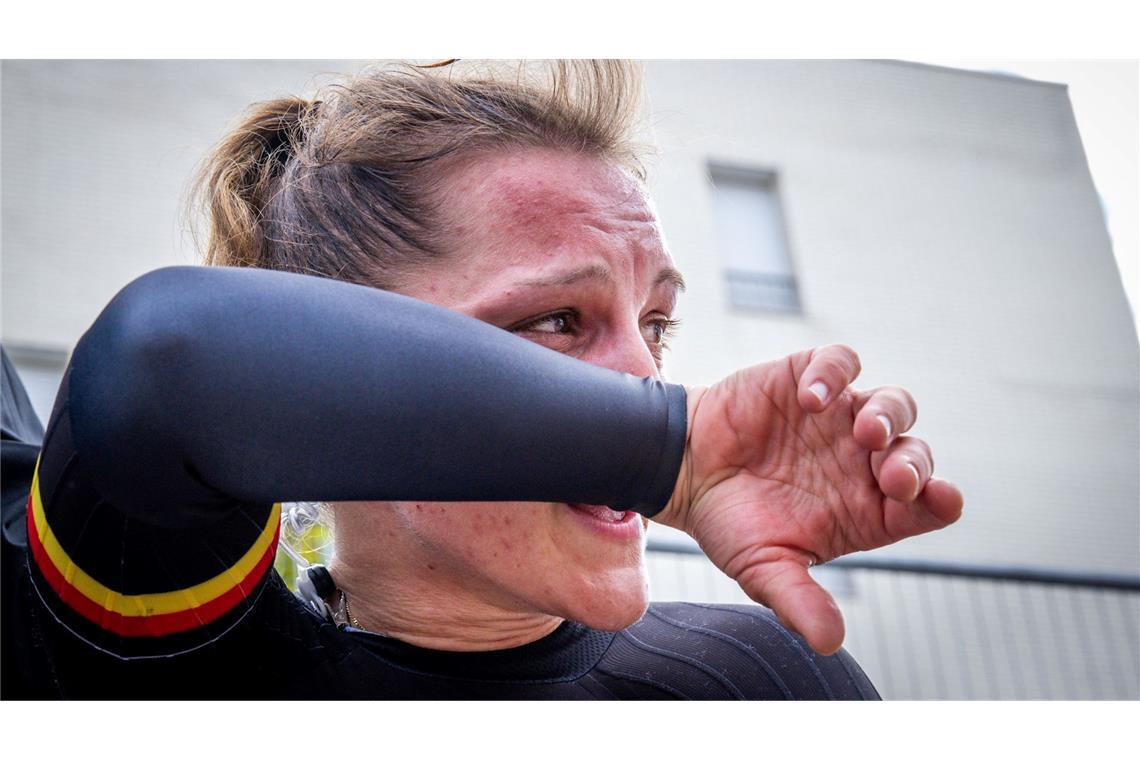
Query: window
x=41, y=371
x=752, y=240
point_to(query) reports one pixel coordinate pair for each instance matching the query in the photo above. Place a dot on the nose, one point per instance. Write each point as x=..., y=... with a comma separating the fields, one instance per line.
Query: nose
x=624, y=349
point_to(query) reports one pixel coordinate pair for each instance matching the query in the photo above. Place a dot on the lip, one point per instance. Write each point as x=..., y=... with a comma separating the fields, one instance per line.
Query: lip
x=627, y=529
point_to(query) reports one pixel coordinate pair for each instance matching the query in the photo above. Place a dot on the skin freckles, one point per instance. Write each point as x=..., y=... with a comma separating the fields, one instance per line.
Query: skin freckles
x=563, y=250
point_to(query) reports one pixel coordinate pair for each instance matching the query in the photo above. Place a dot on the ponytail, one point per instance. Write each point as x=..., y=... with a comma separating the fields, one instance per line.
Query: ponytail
x=351, y=188
x=242, y=176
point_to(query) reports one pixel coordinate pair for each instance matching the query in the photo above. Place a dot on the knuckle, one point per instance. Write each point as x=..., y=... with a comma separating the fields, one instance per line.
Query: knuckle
x=835, y=372
x=901, y=402
x=918, y=451
x=885, y=402
x=909, y=403
x=849, y=357
x=928, y=453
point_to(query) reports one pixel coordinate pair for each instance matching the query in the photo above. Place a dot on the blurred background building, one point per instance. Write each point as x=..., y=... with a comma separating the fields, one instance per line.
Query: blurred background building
x=942, y=222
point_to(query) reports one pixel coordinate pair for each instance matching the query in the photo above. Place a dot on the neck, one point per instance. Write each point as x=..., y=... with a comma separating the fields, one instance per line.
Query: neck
x=415, y=602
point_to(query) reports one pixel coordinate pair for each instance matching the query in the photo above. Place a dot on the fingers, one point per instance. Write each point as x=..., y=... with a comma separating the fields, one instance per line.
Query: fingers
x=801, y=604
x=942, y=500
x=939, y=505
x=904, y=468
x=829, y=371
x=882, y=415
x=916, y=502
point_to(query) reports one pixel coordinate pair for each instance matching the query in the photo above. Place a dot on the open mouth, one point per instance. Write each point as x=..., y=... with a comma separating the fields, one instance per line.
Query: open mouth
x=604, y=514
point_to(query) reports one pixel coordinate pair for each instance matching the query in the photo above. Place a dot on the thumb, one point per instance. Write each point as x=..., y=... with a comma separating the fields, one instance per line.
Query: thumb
x=801, y=604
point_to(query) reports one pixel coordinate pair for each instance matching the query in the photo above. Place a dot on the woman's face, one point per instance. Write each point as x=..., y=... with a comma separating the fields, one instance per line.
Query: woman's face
x=563, y=250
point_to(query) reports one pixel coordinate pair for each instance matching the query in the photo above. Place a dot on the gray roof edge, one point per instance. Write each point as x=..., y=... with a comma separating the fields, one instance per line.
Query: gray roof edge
x=972, y=72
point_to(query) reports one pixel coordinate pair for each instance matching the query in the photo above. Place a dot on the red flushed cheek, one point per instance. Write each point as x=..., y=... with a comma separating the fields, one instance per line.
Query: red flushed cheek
x=491, y=537
x=505, y=534
x=459, y=520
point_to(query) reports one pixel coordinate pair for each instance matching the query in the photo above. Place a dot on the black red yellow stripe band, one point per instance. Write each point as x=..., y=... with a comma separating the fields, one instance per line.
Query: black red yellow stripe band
x=157, y=614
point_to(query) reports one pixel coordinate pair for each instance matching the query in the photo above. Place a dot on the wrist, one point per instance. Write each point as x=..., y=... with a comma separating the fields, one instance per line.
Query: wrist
x=675, y=513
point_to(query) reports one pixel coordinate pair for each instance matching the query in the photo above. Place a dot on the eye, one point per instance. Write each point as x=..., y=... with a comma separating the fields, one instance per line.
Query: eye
x=658, y=331
x=557, y=329
x=558, y=323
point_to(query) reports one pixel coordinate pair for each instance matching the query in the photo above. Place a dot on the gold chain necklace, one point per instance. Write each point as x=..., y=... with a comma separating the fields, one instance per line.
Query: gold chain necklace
x=348, y=614
x=352, y=618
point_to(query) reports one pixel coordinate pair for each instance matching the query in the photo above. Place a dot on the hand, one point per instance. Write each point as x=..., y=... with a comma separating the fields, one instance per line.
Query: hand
x=786, y=467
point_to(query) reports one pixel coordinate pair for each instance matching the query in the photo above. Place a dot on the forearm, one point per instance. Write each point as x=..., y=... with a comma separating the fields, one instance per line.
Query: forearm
x=219, y=384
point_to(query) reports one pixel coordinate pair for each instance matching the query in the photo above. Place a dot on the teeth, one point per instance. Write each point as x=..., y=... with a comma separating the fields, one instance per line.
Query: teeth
x=602, y=513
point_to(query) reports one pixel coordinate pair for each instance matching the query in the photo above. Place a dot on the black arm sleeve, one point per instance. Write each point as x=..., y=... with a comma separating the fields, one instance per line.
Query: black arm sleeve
x=223, y=385
x=201, y=398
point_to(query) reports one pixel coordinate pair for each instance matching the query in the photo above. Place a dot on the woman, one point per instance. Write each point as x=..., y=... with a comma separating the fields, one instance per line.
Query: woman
x=201, y=397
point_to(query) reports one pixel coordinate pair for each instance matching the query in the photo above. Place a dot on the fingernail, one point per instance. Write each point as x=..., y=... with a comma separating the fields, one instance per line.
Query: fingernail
x=819, y=390
x=917, y=479
x=885, y=421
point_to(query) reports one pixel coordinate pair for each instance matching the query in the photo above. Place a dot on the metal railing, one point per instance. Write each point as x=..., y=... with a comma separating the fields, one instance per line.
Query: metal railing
x=938, y=630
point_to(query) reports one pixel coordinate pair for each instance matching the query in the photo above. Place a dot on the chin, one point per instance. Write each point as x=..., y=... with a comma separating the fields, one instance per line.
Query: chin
x=612, y=608
x=617, y=622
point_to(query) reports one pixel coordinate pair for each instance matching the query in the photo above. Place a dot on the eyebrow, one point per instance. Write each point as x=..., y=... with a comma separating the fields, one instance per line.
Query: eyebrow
x=602, y=274
x=670, y=275
x=590, y=272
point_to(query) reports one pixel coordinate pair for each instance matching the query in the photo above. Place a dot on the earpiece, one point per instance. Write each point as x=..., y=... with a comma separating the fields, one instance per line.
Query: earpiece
x=314, y=585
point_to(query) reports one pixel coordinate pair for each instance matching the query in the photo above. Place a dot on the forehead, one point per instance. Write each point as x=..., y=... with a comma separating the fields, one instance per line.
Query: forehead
x=533, y=207
x=527, y=188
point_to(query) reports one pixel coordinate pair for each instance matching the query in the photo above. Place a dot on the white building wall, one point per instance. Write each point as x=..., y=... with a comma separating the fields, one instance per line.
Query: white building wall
x=944, y=224
x=98, y=159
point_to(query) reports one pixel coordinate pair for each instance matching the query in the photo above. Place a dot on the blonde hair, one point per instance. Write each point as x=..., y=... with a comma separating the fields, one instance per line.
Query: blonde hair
x=346, y=185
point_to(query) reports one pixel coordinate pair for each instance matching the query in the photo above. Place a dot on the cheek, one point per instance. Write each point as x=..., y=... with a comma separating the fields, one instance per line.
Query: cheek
x=495, y=534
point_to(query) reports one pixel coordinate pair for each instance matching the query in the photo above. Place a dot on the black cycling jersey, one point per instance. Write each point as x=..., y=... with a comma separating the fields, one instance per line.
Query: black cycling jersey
x=202, y=398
